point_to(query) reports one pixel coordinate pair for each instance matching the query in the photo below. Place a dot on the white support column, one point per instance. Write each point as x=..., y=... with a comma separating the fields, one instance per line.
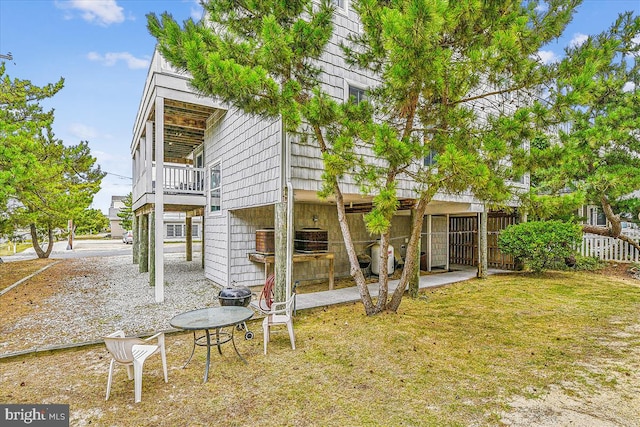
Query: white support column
x=134, y=168
x=159, y=199
x=148, y=157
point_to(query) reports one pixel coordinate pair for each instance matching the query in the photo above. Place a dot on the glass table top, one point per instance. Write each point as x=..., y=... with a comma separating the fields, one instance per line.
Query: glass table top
x=211, y=318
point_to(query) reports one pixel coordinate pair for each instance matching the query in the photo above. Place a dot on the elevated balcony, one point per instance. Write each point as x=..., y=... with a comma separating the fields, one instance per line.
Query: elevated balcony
x=183, y=187
x=169, y=134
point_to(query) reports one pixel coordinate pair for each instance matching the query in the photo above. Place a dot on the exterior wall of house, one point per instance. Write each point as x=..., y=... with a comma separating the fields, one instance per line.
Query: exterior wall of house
x=439, y=238
x=248, y=149
x=117, y=203
x=242, y=234
x=242, y=238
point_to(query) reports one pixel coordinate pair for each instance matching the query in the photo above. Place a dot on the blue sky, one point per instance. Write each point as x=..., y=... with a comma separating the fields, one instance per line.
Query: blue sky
x=102, y=48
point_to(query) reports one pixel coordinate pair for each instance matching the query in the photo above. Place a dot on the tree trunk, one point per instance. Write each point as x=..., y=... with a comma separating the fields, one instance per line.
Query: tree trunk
x=614, y=220
x=615, y=229
x=355, y=270
x=383, y=273
x=412, y=261
x=606, y=232
x=36, y=245
x=413, y=276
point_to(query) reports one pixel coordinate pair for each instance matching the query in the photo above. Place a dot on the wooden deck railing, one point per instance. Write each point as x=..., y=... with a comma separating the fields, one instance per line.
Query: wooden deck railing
x=183, y=180
x=176, y=180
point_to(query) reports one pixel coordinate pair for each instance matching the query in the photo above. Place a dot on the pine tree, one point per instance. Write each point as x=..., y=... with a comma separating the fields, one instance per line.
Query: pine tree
x=595, y=103
x=440, y=64
x=43, y=183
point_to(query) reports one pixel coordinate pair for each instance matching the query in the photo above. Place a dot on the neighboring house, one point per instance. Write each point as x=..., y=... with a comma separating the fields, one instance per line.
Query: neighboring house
x=117, y=203
x=174, y=224
x=593, y=215
x=231, y=169
x=175, y=228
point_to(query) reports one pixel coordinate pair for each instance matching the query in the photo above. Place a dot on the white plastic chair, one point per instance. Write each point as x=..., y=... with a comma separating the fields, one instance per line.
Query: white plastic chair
x=132, y=352
x=281, y=313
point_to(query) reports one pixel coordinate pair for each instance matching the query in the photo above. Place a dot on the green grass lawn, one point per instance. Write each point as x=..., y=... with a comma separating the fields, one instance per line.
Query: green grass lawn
x=7, y=248
x=455, y=356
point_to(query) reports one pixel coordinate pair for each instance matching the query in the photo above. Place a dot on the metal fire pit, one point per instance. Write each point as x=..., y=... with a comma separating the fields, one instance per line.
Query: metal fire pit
x=237, y=296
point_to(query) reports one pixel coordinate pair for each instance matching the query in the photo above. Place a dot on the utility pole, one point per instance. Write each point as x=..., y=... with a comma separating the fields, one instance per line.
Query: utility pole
x=7, y=56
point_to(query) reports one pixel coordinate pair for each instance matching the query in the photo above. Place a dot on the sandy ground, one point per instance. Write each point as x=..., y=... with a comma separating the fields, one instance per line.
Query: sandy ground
x=588, y=403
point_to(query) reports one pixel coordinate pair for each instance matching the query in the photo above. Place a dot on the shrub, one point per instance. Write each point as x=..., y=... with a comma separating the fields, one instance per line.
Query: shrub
x=540, y=244
x=588, y=263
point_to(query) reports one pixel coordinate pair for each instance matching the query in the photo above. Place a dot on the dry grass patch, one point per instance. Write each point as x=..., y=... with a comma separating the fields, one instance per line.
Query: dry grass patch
x=455, y=356
x=11, y=272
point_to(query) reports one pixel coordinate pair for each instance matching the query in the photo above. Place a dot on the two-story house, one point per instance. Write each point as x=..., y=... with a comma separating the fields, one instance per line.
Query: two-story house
x=194, y=155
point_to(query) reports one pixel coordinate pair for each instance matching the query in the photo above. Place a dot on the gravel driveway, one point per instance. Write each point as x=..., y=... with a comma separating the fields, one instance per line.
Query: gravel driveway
x=110, y=294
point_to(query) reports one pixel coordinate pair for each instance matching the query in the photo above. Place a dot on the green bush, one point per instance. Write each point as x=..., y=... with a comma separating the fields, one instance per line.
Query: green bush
x=588, y=263
x=540, y=244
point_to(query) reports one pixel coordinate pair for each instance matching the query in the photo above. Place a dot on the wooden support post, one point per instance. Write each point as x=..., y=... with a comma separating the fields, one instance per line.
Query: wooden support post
x=136, y=239
x=280, y=234
x=414, y=276
x=189, y=236
x=143, y=266
x=482, y=245
x=152, y=248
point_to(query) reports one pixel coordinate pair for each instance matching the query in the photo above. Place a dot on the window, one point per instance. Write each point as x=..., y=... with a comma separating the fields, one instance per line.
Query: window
x=214, y=187
x=200, y=175
x=356, y=94
x=341, y=4
x=175, y=230
x=597, y=217
x=194, y=230
x=430, y=160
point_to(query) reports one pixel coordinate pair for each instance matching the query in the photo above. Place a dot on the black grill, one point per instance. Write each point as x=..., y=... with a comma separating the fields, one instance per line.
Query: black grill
x=239, y=296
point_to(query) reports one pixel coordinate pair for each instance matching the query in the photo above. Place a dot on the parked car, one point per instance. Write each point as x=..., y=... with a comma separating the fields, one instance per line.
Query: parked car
x=127, y=237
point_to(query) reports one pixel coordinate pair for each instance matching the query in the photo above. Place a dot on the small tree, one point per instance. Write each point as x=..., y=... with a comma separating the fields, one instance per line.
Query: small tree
x=90, y=221
x=126, y=214
x=43, y=182
x=596, y=159
x=540, y=244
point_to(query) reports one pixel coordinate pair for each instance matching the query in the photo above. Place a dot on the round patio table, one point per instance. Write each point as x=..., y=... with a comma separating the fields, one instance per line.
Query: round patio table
x=216, y=318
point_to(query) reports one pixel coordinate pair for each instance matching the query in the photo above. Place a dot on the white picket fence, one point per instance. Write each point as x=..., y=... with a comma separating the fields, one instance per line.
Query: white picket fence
x=608, y=249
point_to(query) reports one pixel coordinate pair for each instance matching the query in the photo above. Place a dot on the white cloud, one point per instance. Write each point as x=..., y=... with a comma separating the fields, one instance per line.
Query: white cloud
x=635, y=42
x=578, y=39
x=548, y=56
x=542, y=7
x=110, y=59
x=629, y=87
x=113, y=160
x=197, y=12
x=82, y=132
x=101, y=12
